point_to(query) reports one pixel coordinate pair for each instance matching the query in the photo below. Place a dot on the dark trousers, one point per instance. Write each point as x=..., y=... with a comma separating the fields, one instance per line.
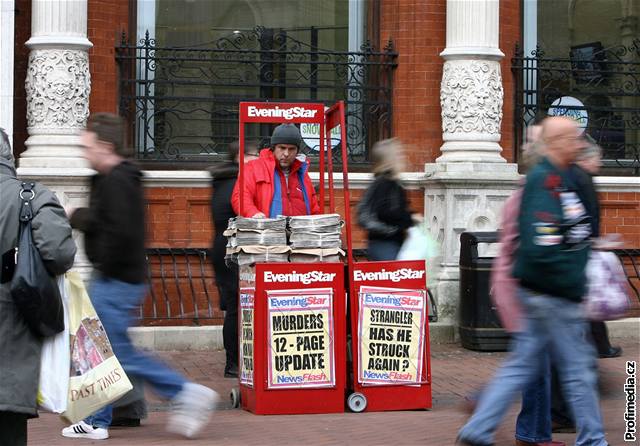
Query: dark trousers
x=227, y=278
x=13, y=429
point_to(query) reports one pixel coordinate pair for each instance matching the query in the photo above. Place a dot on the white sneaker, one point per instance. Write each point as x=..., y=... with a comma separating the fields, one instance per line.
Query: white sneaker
x=192, y=409
x=83, y=430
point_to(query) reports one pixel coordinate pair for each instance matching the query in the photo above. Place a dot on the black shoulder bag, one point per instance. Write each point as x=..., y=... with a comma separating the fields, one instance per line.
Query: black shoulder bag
x=34, y=291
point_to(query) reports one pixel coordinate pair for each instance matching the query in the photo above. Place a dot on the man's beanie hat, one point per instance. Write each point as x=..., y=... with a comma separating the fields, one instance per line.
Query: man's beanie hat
x=286, y=134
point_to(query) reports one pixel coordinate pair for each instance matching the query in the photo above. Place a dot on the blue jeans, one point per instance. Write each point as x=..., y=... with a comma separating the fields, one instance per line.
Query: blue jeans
x=378, y=250
x=115, y=302
x=558, y=326
x=534, y=421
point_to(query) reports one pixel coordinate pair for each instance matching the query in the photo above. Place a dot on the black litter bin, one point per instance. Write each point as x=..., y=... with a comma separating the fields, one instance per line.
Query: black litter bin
x=480, y=327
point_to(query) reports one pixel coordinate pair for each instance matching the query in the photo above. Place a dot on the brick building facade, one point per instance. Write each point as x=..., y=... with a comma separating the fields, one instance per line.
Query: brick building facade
x=178, y=201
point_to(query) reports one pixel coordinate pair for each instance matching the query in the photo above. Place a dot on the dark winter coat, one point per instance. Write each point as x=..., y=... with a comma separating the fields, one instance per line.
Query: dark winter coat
x=113, y=224
x=554, y=227
x=384, y=211
x=19, y=348
x=223, y=181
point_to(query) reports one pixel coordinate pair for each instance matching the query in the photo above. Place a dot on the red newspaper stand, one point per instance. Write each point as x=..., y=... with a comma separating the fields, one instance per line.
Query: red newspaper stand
x=292, y=321
x=390, y=337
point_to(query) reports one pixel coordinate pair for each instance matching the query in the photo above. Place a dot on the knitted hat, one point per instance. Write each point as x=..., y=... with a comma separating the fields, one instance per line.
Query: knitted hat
x=286, y=134
x=5, y=146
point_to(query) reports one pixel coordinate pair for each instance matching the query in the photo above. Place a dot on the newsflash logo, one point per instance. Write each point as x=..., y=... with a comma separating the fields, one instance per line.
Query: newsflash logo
x=286, y=113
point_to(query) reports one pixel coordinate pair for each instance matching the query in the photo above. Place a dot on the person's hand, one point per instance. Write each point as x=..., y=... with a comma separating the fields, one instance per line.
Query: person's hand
x=259, y=215
x=608, y=242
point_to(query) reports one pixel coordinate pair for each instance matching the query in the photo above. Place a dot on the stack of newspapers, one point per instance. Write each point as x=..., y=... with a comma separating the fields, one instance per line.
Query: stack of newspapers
x=252, y=240
x=315, y=238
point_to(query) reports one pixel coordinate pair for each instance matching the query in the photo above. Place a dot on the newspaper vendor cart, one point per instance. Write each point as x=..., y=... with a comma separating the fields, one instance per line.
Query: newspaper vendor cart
x=288, y=363
x=292, y=322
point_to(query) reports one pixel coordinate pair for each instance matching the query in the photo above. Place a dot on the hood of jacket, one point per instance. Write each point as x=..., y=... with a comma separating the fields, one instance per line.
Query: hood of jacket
x=7, y=168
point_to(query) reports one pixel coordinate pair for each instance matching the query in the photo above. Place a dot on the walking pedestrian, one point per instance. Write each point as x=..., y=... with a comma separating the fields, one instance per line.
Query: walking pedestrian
x=224, y=176
x=384, y=211
x=550, y=266
x=533, y=425
x=20, y=348
x=114, y=228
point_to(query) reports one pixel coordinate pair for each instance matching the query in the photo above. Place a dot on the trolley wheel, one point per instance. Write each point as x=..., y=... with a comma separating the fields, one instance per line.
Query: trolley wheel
x=235, y=397
x=357, y=402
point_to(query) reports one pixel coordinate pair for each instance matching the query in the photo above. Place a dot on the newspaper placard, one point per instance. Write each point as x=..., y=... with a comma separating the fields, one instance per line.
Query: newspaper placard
x=391, y=330
x=300, y=338
x=246, y=335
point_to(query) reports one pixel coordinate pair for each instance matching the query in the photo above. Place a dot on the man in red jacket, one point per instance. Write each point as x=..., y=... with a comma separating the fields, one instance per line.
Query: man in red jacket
x=277, y=183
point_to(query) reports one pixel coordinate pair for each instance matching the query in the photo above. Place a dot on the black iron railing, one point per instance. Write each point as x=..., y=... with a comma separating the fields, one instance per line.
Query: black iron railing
x=181, y=286
x=183, y=102
x=630, y=259
x=606, y=84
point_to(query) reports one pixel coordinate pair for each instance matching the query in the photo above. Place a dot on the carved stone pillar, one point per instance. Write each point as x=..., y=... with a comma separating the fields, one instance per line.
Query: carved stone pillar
x=469, y=182
x=471, y=92
x=57, y=84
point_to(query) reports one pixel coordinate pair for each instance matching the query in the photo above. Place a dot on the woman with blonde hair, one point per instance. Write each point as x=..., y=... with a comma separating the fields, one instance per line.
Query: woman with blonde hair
x=383, y=211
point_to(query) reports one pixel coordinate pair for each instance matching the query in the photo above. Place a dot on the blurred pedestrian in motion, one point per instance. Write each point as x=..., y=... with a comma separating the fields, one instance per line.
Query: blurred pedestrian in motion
x=384, y=211
x=114, y=226
x=587, y=166
x=19, y=347
x=224, y=176
x=533, y=425
x=550, y=265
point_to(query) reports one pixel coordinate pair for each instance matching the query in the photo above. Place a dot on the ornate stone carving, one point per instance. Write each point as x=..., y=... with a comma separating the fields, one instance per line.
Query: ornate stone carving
x=58, y=86
x=471, y=97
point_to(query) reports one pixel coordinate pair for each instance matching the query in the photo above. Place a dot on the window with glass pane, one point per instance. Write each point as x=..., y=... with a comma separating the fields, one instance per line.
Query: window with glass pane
x=588, y=66
x=201, y=57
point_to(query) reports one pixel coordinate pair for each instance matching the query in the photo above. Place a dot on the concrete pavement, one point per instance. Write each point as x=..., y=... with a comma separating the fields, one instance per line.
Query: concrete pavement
x=455, y=372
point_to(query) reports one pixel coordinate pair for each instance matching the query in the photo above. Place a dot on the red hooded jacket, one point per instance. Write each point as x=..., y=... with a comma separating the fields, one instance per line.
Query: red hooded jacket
x=259, y=176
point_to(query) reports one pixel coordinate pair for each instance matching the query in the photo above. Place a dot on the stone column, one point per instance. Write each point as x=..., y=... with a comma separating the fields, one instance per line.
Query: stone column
x=58, y=86
x=469, y=182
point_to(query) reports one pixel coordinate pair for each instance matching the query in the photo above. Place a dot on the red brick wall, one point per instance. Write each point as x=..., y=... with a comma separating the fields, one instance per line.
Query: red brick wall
x=510, y=34
x=417, y=28
x=621, y=214
x=107, y=19
x=20, y=60
x=181, y=217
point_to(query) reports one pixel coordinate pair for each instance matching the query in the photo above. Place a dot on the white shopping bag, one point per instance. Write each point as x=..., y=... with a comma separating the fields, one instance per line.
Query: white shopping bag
x=54, y=363
x=607, y=289
x=96, y=376
x=419, y=245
